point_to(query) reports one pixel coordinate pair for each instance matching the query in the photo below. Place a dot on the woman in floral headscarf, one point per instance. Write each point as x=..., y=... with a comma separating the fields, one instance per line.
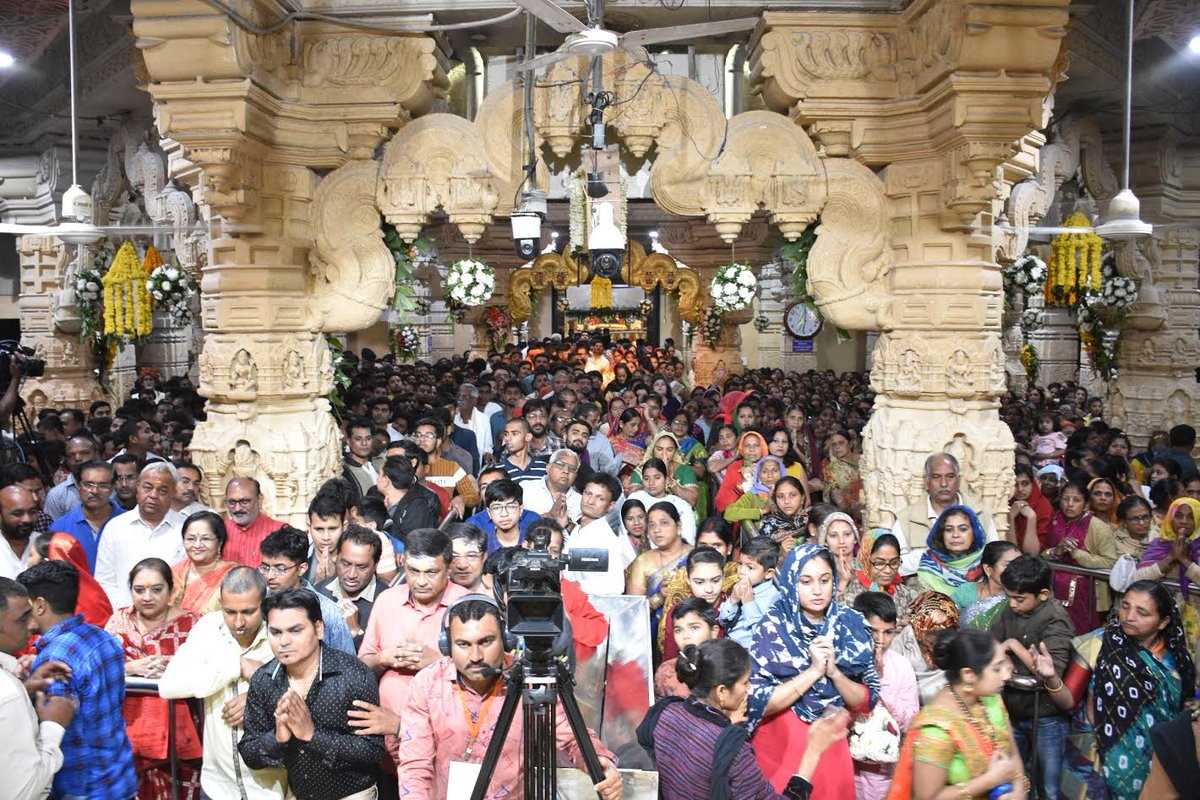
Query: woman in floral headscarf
x=681, y=478
x=749, y=509
x=839, y=533
x=1174, y=554
x=751, y=447
x=809, y=653
x=877, y=569
x=953, y=551
x=788, y=519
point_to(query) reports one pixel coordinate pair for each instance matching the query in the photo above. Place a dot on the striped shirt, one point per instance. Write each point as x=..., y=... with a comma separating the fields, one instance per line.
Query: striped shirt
x=450, y=476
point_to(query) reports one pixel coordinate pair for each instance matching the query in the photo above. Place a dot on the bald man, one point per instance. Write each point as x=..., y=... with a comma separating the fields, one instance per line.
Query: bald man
x=247, y=526
x=18, y=515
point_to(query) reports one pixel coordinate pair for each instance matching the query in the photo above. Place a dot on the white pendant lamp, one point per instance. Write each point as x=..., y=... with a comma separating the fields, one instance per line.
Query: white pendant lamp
x=1123, y=222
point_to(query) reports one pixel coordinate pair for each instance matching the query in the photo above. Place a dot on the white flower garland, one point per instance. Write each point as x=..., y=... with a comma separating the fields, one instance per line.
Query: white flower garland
x=1028, y=273
x=470, y=282
x=171, y=289
x=733, y=287
x=88, y=286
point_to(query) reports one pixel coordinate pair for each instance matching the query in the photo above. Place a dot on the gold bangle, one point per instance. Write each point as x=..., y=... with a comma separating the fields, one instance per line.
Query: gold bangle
x=1055, y=689
x=964, y=791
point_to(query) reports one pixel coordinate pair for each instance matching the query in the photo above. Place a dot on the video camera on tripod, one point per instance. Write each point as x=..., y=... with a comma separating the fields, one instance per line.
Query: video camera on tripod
x=534, y=583
x=539, y=679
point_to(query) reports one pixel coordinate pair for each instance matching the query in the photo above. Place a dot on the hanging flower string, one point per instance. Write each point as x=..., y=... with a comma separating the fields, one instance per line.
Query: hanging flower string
x=127, y=306
x=498, y=322
x=1074, y=263
x=406, y=341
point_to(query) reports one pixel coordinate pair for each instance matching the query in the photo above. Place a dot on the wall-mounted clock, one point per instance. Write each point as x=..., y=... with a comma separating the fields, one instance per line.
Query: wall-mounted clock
x=802, y=320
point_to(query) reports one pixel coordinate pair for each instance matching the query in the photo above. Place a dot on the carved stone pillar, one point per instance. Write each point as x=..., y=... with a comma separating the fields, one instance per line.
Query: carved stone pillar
x=938, y=364
x=709, y=361
x=771, y=290
x=1157, y=387
x=938, y=97
x=248, y=120
x=1160, y=349
x=68, y=381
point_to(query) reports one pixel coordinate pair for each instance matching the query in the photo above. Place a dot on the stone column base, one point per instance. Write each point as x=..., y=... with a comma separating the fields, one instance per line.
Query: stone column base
x=291, y=449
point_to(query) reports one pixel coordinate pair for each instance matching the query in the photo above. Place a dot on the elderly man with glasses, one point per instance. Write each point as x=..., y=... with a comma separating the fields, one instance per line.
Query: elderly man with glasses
x=150, y=530
x=553, y=495
x=247, y=525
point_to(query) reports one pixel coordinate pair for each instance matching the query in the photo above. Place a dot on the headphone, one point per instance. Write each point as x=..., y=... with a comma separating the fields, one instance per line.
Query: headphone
x=444, y=636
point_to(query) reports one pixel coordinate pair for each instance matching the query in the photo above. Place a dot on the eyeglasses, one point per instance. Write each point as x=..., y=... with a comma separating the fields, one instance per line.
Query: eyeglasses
x=92, y=486
x=504, y=508
x=424, y=435
x=236, y=503
x=275, y=569
x=470, y=555
x=1138, y=518
x=566, y=466
x=894, y=563
x=195, y=540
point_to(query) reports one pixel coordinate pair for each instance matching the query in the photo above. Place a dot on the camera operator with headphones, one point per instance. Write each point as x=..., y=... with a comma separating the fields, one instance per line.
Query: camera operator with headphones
x=453, y=708
x=16, y=362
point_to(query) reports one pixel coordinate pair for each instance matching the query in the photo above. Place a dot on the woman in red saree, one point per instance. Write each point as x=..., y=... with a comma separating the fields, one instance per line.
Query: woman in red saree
x=151, y=631
x=198, y=577
x=1077, y=537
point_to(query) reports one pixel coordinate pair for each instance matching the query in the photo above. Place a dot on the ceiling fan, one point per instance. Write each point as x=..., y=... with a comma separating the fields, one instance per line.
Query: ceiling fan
x=590, y=39
x=76, y=226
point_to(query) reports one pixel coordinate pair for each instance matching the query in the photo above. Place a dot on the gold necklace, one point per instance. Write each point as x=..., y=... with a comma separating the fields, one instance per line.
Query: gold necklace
x=986, y=728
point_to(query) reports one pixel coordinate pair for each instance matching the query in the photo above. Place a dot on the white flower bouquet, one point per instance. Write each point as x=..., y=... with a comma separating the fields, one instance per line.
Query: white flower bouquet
x=88, y=286
x=733, y=287
x=1119, y=292
x=406, y=341
x=1031, y=319
x=1028, y=273
x=172, y=288
x=470, y=282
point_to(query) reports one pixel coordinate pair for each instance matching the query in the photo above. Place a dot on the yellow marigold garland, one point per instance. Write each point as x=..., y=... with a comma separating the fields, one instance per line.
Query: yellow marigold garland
x=126, y=300
x=1074, y=263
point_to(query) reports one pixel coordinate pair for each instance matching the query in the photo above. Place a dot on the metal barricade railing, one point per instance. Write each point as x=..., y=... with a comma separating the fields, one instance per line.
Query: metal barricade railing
x=1092, y=574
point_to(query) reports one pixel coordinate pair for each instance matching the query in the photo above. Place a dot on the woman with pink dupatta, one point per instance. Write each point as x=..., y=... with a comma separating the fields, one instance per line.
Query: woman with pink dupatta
x=198, y=577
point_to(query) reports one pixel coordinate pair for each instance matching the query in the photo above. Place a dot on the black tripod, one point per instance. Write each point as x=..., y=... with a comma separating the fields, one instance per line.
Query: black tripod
x=537, y=685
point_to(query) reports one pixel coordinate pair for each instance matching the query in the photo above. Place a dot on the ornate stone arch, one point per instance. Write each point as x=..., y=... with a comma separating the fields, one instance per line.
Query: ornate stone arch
x=703, y=166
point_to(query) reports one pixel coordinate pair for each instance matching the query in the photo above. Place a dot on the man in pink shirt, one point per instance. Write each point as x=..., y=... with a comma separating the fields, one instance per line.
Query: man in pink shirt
x=247, y=526
x=452, y=713
x=402, y=633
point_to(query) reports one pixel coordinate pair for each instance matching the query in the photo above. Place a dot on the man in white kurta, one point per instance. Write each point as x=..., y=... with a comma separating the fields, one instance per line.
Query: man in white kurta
x=215, y=663
x=152, y=529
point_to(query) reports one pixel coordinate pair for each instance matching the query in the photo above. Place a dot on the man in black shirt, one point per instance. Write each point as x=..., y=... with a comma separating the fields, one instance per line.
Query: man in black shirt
x=410, y=505
x=296, y=706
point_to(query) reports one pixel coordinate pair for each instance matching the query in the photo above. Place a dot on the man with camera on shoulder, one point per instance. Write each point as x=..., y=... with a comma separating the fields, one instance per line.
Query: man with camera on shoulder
x=455, y=702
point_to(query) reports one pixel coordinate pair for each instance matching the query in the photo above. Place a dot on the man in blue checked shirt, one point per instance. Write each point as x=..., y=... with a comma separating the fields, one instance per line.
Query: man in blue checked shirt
x=97, y=756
